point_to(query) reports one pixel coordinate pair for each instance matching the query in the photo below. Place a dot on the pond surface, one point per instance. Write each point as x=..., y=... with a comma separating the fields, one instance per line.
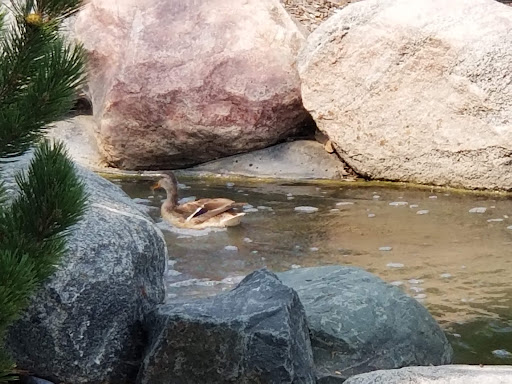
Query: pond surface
x=450, y=251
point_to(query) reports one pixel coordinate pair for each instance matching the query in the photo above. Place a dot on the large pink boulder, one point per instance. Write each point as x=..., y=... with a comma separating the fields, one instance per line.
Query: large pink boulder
x=175, y=83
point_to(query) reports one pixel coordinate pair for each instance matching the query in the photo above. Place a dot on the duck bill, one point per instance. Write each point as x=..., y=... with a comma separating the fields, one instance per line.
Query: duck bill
x=155, y=186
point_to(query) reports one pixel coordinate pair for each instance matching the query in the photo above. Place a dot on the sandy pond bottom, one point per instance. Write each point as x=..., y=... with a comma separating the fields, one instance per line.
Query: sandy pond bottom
x=451, y=251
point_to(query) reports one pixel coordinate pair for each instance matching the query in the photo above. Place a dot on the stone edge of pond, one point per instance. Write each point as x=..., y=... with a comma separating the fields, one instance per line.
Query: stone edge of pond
x=111, y=173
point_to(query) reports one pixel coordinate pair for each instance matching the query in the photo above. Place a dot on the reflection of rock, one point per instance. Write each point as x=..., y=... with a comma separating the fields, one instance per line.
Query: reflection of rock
x=256, y=333
x=84, y=324
x=303, y=159
x=358, y=323
x=408, y=93
x=175, y=83
x=453, y=374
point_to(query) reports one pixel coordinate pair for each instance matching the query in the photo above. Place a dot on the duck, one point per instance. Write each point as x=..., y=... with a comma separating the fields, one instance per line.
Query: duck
x=199, y=214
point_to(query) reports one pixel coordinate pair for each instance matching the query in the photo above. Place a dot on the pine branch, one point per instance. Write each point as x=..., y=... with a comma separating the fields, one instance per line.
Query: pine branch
x=52, y=199
x=48, y=98
x=38, y=75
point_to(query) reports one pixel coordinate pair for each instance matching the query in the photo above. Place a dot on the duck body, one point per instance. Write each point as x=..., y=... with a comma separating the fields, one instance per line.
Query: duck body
x=199, y=214
x=203, y=213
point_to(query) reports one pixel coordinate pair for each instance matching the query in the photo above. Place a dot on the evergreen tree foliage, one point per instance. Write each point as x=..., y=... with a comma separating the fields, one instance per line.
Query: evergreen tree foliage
x=39, y=74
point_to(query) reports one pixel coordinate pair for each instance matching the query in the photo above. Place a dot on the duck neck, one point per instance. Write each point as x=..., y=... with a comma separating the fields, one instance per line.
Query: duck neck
x=171, y=201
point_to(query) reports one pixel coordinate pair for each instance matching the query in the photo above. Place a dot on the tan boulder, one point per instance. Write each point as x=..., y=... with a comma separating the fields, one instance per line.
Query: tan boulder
x=416, y=90
x=175, y=83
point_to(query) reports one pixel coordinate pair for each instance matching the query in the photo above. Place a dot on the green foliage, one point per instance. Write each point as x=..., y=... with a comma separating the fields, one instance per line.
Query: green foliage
x=39, y=74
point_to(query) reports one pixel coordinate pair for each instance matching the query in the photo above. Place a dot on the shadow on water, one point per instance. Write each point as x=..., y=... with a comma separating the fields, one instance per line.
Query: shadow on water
x=429, y=242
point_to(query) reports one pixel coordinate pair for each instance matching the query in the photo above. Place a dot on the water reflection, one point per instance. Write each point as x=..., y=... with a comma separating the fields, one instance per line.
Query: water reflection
x=436, y=246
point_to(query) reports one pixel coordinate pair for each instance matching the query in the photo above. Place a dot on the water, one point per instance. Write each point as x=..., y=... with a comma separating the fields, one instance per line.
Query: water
x=434, y=245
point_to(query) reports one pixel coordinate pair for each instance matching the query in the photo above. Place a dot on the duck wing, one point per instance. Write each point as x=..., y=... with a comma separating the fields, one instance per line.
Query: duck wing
x=205, y=209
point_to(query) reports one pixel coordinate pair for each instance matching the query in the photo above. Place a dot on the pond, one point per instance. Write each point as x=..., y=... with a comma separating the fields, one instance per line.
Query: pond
x=449, y=250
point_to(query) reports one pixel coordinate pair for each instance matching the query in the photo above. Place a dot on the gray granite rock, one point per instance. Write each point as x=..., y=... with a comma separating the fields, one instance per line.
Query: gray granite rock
x=78, y=134
x=85, y=324
x=452, y=374
x=359, y=323
x=302, y=159
x=256, y=333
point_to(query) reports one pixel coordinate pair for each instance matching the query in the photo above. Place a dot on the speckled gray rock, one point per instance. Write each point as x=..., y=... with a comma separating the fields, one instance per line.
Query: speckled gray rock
x=256, y=333
x=78, y=135
x=415, y=90
x=358, y=323
x=450, y=374
x=85, y=324
x=302, y=159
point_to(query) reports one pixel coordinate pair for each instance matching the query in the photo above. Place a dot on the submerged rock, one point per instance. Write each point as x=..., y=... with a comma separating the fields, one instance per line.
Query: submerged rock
x=417, y=91
x=175, y=83
x=358, y=323
x=453, y=374
x=85, y=324
x=256, y=333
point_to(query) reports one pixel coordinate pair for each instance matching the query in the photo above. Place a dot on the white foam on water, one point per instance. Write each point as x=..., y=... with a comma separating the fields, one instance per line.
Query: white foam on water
x=502, y=353
x=305, y=209
x=394, y=265
x=398, y=203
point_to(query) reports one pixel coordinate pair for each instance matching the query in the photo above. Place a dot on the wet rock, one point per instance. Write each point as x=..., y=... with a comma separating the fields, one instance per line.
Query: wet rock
x=85, y=324
x=302, y=159
x=358, y=323
x=176, y=83
x=408, y=94
x=256, y=333
x=453, y=374
x=478, y=210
